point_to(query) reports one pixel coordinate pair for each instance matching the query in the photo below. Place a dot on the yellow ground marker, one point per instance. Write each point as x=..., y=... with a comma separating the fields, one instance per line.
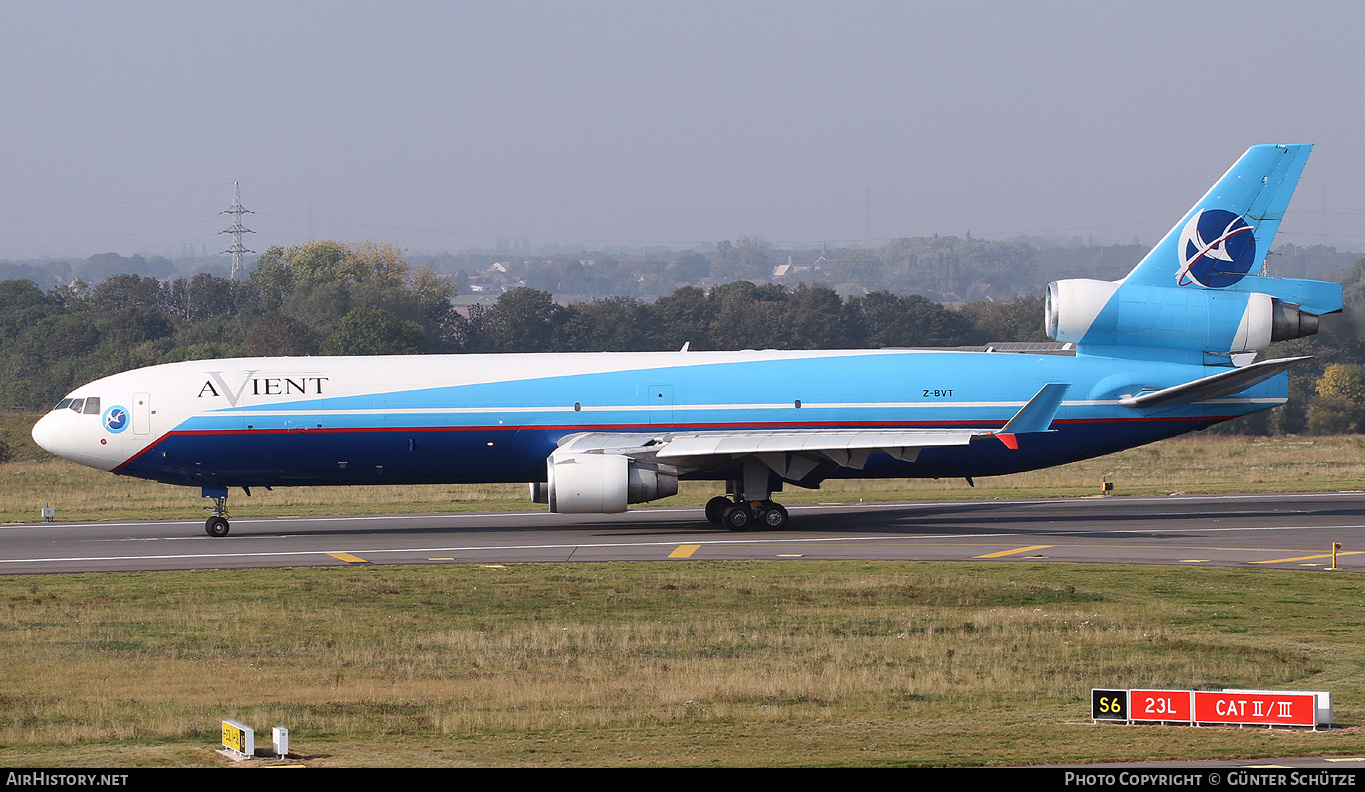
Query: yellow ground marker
x=1004, y=553
x=1308, y=558
x=684, y=551
x=347, y=557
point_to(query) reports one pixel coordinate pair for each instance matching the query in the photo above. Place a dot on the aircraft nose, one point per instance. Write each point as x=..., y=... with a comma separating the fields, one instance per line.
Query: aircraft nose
x=76, y=438
x=44, y=434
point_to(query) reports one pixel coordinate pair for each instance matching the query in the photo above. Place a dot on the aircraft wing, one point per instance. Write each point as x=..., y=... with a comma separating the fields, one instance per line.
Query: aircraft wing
x=794, y=453
x=791, y=454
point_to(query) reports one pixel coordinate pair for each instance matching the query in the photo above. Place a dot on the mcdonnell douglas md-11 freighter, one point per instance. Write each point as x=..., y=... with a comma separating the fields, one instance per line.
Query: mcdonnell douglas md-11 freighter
x=1164, y=351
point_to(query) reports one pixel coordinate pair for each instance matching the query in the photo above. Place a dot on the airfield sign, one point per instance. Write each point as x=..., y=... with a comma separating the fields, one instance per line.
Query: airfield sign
x=1255, y=708
x=1161, y=706
x=1208, y=707
x=239, y=737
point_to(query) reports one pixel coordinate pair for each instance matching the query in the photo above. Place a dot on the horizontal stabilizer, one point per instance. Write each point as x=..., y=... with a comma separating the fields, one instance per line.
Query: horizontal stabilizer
x=1315, y=297
x=1212, y=387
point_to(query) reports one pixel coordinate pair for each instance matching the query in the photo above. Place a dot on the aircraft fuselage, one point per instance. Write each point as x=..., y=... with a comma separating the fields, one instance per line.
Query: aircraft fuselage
x=496, y=418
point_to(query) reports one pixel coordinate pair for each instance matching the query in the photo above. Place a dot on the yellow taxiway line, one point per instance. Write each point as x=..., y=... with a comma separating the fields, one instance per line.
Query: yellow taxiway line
x=1004, y=553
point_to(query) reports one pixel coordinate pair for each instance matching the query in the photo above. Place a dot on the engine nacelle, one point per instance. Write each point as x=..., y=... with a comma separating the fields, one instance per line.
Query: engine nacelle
x=601, y=483
x=1109, y=313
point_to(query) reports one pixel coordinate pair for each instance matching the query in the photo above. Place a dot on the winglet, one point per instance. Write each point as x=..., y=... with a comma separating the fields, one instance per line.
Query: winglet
x=1036, y=416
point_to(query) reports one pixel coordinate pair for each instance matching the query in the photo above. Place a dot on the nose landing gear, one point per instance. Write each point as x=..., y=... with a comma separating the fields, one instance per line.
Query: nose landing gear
x=217, y=524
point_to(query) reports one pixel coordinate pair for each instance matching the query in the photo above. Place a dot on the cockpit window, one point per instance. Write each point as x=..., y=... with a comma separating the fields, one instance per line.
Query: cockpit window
x=92, y=406
x=77, y=404
x=63, y=404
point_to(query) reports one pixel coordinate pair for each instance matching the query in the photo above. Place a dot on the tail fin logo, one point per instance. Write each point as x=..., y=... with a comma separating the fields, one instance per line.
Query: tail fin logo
x=1217, y=249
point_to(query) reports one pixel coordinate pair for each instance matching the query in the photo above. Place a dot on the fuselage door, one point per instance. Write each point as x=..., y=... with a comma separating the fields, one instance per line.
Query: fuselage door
x=142, y=413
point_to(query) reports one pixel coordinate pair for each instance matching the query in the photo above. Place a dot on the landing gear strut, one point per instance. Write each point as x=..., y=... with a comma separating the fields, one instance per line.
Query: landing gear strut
x=217, y=524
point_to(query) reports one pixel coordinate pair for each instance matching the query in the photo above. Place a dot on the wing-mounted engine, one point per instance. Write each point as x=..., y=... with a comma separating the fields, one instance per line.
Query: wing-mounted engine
x=599, y=473
x=1092, y=313
x=604, y=483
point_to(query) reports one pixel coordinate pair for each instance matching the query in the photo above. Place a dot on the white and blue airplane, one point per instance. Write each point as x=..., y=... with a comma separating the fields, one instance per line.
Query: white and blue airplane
x=1164, y=351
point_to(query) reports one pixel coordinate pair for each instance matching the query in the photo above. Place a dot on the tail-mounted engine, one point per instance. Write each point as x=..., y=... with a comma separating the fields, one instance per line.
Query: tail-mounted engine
x=1119, y=314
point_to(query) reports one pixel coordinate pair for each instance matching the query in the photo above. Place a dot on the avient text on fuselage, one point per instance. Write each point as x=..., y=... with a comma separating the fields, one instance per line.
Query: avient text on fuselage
x=271, y=386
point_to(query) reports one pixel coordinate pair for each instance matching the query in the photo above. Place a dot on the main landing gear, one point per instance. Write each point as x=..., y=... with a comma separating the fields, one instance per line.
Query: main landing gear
x=741, y=515
x=748, y=508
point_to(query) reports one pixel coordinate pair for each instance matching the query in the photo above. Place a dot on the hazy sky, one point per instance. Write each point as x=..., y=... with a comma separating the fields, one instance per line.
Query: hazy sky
x=448, y=125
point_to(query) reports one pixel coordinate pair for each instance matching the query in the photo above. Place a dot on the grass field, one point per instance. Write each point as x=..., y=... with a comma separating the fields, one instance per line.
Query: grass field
x=669, y=663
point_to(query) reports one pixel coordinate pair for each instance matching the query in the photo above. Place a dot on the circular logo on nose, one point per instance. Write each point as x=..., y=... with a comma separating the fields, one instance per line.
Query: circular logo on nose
x=115, y=419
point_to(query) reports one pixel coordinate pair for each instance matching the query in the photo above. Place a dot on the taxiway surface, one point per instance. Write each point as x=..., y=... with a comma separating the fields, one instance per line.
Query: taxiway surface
x=1278, y=530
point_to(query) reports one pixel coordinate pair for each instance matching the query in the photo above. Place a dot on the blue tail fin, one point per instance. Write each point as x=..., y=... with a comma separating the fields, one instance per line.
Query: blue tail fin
x=1228, y=232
